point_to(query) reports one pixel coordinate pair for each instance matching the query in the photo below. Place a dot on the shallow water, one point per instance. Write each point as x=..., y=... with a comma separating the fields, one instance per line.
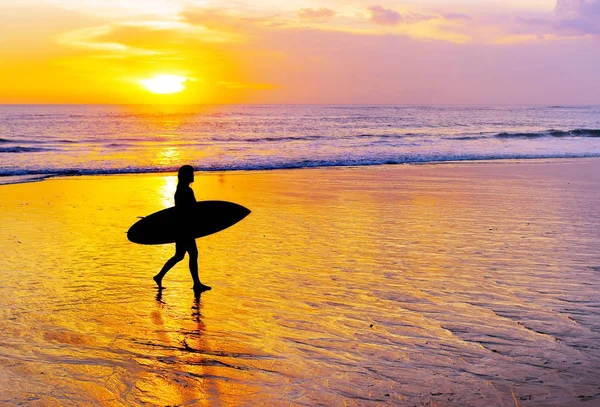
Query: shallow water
x=471, y=285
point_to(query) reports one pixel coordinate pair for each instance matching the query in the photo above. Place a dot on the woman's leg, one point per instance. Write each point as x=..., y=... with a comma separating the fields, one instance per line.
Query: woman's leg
x=192, y=250
x=193, y=253
x=179, y=254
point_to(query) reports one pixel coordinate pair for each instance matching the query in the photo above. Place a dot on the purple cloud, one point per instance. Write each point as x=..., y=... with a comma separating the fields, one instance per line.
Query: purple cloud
x=456, y=17
x=575, y=8
x=571, y=18
x=384, y=16
x=578, y=16
x=314, y=14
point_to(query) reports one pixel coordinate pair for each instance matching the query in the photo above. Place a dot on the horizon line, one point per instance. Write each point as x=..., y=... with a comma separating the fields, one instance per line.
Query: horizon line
x=316, y=104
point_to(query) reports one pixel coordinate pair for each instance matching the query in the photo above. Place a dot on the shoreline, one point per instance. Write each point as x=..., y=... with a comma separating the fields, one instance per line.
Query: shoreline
x=32, y=178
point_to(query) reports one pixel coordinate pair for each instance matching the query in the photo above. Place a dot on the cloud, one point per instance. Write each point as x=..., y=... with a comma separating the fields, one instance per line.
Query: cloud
x=384, y=16
x=389, y=17
x=147, y=41
x=577, y=8
x=456, y=17
x=90, y=38
x=211, y=18
x=571, y=19
x=578, y=16
x=314, y=14
x=232, y=23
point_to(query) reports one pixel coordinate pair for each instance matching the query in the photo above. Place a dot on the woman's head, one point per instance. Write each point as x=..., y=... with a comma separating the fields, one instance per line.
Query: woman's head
x=185, y=175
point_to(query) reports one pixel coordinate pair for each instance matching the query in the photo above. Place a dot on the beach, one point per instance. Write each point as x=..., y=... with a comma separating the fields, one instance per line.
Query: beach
x=468, y=284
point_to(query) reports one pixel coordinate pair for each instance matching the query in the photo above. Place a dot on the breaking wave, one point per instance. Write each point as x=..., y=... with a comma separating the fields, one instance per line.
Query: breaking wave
x=21, y=149
x=551, y=133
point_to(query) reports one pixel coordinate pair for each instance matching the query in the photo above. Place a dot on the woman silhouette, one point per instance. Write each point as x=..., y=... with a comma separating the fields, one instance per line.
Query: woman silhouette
x=184, y=202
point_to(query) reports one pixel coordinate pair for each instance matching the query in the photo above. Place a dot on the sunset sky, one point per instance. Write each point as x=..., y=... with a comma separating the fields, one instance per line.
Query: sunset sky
x=300, y=51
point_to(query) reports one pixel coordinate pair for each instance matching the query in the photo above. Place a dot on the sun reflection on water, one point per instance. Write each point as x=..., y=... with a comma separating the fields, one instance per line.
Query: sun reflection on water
x=167, y=190
x=168, y=156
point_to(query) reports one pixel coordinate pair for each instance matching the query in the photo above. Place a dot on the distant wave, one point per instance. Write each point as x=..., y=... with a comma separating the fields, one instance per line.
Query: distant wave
x=279, y=139
x=521, y=135
x=29, y=141
x=312, y=138
x=130, y=141
x=117, y=145
x=579, y=132
x=465, y=138
x=396, y=136
x=21, y=149
x=551, y=133
x=594, y=133
x=570, y=107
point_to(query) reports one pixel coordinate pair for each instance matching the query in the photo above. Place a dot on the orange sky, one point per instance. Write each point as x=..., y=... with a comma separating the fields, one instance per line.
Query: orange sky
x=301, y=51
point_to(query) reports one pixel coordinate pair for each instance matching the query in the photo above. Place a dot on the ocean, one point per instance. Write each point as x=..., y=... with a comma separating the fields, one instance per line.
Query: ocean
x=46, y=140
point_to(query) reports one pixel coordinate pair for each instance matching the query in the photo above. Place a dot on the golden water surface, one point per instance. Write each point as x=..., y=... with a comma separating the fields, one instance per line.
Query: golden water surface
x=469, y=285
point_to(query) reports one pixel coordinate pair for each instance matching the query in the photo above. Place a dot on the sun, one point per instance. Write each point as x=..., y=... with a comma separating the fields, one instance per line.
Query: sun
x=164, y=84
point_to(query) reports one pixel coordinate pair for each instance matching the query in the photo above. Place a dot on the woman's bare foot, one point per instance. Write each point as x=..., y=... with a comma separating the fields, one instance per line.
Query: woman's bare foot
x=198, y=288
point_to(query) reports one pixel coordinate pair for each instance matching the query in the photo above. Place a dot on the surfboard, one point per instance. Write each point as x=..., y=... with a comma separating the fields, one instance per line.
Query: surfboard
x=167, y=225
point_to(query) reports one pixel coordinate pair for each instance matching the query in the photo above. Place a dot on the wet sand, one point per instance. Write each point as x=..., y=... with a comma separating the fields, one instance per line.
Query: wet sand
x=474, y=284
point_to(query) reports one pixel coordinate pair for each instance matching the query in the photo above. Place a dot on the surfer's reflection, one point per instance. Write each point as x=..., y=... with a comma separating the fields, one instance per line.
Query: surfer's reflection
x=184, y=201
x=197, y=312
x=186, y=354
x=159, y=296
